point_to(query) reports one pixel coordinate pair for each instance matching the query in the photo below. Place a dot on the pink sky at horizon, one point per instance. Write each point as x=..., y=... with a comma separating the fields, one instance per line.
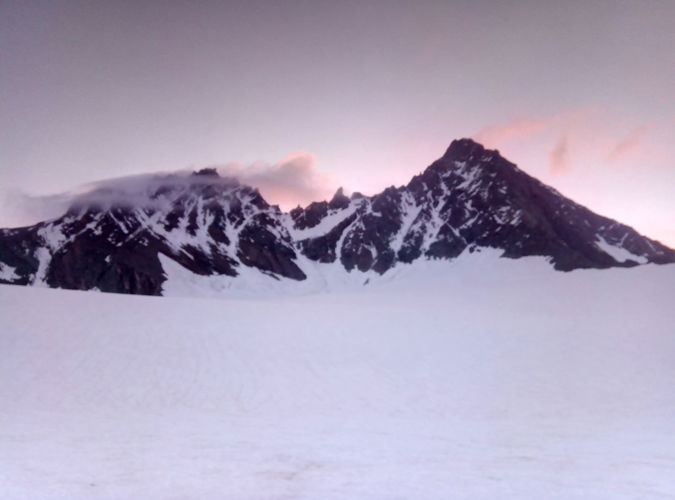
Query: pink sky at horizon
x=303, y=97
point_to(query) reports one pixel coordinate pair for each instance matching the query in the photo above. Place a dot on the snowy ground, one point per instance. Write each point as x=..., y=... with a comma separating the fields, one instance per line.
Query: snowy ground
x=479, y=379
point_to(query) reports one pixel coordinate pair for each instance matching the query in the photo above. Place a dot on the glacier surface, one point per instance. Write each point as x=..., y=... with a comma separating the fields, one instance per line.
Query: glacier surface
x=479, y=378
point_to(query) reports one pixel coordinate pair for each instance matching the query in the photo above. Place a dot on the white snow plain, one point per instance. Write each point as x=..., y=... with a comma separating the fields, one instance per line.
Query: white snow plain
x=482, y=378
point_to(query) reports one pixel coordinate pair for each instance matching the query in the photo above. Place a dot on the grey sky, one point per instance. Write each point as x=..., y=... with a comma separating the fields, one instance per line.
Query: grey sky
x=375, y=90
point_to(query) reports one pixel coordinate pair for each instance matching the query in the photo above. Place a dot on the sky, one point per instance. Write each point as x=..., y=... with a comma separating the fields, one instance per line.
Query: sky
x=304, y=97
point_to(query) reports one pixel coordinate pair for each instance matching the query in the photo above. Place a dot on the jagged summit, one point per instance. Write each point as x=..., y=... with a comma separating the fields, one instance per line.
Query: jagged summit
x=207, y=172
x=463, y=150
x=339, y=200
x=121, y=236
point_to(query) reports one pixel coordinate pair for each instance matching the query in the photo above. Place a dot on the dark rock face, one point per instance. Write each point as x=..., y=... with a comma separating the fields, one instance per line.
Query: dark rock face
x=311, y=216
x=339, y=200
x=17, y=256
x=322, y=248
x=468, y=199
x=261, y=247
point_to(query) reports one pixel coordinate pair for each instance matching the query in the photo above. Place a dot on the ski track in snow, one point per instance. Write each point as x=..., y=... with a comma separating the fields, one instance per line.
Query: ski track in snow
x=481, y=378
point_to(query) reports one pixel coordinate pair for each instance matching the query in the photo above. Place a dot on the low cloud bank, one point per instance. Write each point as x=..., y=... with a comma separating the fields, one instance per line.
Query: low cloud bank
x=291, y=181
x=18, y=208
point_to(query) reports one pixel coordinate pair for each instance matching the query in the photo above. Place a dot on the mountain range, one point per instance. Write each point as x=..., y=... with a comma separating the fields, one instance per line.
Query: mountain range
x=115, y=238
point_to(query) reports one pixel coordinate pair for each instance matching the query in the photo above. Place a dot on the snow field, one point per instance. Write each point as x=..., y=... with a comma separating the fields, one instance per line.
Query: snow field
x=482, y=378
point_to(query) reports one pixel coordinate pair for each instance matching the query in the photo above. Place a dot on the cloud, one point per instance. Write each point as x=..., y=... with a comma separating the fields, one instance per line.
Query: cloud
x=627, y=144
x=19, y=209
x=497, y=134
x=291, y=181
x=534, y=127
x=558, y=158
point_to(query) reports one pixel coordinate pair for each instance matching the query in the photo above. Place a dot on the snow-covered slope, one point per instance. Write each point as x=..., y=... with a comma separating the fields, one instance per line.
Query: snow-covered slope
x=133, y=235
x=474, y=379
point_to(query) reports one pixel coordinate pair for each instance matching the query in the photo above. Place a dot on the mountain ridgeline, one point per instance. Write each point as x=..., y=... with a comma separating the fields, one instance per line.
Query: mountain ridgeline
x=470, y=198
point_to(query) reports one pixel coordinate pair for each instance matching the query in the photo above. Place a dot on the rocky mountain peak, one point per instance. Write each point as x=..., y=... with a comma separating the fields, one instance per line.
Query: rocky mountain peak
x=206, y=172
x=463, y=150
x=339, y=200
x=469, y=153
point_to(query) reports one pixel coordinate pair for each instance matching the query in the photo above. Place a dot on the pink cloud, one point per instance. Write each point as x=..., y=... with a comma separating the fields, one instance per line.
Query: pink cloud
x=496, y=134
x=291, y=181
x=558, y=158
x=528, y=128
x=627, y=144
